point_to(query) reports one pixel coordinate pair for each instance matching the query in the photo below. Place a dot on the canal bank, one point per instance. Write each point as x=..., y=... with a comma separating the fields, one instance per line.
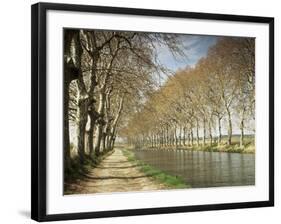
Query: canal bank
x=235, y=147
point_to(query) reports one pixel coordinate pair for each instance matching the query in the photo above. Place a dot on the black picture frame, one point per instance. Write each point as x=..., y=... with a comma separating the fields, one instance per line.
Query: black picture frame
x=39, y=108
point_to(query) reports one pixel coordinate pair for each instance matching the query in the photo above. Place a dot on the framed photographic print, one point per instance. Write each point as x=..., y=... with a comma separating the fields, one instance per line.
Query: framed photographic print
x=138, y=111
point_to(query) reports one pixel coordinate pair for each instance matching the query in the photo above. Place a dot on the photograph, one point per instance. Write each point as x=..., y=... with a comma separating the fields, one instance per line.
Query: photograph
x=138, y=112
x=153, y=111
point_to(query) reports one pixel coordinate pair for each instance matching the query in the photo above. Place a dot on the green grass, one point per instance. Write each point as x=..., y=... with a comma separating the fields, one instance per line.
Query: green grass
x=173, y=182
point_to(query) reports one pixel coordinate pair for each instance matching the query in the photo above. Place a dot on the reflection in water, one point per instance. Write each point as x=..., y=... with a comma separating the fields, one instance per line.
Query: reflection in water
x=203, y=169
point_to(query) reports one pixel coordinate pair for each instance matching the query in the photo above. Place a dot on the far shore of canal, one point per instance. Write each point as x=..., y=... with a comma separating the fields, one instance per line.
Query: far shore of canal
x=234, y=148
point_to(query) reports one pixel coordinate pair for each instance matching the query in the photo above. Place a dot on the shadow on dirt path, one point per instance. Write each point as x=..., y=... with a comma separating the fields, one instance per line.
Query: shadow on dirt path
x=116, y=174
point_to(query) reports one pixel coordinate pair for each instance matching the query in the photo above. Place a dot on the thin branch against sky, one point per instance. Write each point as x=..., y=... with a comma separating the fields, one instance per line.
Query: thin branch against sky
x=195, y=47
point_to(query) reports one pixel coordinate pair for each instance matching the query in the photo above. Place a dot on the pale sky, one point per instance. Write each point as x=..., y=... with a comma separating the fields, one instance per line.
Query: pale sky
x=195, y=47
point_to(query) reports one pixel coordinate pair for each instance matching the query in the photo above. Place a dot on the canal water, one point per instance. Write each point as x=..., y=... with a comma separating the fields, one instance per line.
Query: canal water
x=203, y=169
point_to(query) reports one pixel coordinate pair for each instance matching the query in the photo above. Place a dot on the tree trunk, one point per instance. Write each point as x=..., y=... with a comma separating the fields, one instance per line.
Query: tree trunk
x=98, y=137
x=176, y=139
x=160, y=139
x=92, y=110
x=180, y=137
x=91, y=133
x=157, y=140
x=184, y=136
x=188, y=138
x=115, y=122
x=229, y=131
x=167, y=135
x=82, y=121
x=172, y=138
x=197, y=132
x=242, y=128
x=106, y=132
x=66, y=146
x=163, y=137
x=220, y=135
x=100, y=122
x=241, y=135
x=103, y=146
x=210, y=133
x=204, y=132
x=107, y=139
x=113, y=142
x=71, y=72
x=82, y=102
x=191, y=136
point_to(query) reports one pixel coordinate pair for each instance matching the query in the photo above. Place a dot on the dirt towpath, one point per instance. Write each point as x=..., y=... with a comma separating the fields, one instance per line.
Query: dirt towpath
x=115, y=174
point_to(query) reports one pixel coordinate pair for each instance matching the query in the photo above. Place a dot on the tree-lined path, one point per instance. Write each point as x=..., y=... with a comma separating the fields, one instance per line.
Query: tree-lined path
x=115, y=174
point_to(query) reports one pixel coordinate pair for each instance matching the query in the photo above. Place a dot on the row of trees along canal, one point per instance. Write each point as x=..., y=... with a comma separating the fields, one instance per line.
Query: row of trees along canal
x=107, y=75
x=197, y=106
